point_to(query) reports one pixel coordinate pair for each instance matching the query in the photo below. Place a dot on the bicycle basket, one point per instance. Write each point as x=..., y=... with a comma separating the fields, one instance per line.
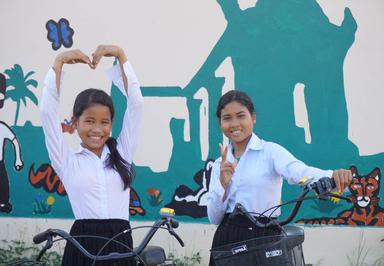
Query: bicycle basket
x=263, y=251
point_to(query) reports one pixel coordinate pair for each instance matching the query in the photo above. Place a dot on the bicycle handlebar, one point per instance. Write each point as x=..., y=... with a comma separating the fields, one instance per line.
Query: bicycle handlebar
x=43, y=236
x=164, y=220
x=322, y=187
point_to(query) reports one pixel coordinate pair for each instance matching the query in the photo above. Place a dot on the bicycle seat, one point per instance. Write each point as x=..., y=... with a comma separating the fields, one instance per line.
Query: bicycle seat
x=153, y=255
x=295, y=235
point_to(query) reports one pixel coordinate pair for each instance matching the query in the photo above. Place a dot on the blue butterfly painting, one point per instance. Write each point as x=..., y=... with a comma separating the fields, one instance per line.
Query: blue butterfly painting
x=59, y=33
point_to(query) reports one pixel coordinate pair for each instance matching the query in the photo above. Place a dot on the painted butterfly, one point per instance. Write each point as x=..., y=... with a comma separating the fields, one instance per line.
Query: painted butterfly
x=59, y=33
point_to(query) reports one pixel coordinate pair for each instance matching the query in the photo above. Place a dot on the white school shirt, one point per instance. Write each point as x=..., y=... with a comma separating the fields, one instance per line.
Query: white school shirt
x=257, y=180
x=94, y=191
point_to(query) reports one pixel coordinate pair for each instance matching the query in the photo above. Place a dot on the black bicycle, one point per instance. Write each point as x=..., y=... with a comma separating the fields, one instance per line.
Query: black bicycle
x=284, y=249
x=143, y=255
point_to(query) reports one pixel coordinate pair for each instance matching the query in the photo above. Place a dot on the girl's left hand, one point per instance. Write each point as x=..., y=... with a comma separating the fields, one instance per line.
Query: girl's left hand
x=108, y=50
x=342, y=179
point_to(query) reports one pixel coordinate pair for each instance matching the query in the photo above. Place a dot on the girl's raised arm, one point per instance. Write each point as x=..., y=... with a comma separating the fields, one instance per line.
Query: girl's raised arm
x=124, y=77
x=110, y=51
x=49, y=106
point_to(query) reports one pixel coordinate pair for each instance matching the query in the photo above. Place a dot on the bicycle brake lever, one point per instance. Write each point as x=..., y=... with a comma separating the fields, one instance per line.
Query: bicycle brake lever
x=170, y=227
x=177, y=237
x=47, y=246
x=305, y=182
x=49, y=242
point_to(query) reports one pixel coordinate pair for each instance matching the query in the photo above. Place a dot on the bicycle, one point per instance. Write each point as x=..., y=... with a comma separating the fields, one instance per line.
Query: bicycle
x=143, y=255
x=281, y=249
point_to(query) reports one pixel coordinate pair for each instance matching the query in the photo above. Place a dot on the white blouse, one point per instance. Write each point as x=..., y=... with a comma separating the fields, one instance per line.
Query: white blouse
x=94, y=190
x=257, y=180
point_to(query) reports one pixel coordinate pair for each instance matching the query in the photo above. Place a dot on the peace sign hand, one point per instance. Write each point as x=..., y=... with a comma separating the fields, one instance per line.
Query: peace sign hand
x=226, y=168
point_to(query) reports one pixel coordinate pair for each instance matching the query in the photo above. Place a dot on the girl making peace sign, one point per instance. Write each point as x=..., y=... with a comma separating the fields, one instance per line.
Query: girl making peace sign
x=250, y=171
x=97, y=176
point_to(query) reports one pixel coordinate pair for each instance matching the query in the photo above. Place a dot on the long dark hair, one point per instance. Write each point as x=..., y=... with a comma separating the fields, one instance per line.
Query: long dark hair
x=235, y=96
x=88, y=98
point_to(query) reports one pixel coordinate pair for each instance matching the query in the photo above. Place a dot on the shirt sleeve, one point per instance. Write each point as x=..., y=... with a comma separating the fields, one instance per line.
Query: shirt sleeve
x=292, y=169
x=216, y=207
x=49, y=106
x=128, y=138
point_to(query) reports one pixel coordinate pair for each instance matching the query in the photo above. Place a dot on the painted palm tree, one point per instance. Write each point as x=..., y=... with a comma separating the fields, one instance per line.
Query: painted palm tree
x=20, y=83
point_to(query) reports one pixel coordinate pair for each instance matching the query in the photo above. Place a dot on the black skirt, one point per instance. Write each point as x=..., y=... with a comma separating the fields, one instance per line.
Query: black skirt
x=98, y=227
x=236, y=229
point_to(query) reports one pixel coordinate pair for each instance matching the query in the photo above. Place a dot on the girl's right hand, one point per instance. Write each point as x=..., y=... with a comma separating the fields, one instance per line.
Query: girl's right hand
x=226, y=168
x=69, y=57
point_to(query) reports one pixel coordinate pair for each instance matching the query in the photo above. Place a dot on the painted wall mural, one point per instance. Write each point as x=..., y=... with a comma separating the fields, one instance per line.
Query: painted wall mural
x=276, y=51
x=193, y=203
x=2, y=89
x=46, y=178
x=366, y=210
x=6, y=134
x=59, y=33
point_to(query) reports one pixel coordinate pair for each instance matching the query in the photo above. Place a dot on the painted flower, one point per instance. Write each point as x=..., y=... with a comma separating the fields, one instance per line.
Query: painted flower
x=50, y=200
x=153, y=192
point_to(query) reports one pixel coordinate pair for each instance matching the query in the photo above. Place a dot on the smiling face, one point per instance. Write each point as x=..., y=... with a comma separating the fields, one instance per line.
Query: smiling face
x=236, y=122
x=94, y=127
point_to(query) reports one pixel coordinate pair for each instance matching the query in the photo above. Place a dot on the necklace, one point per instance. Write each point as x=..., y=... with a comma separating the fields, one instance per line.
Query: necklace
x=236, y=157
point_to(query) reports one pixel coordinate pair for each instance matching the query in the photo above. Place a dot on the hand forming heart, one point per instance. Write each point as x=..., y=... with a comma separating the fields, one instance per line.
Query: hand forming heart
x=77, y=56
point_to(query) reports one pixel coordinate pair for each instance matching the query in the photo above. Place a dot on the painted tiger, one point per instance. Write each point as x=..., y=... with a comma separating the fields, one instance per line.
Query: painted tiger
x=366, y=210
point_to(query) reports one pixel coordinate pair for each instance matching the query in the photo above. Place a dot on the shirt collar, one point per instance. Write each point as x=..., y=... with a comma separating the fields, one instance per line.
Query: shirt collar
x=255, y=143
x=104, y=153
